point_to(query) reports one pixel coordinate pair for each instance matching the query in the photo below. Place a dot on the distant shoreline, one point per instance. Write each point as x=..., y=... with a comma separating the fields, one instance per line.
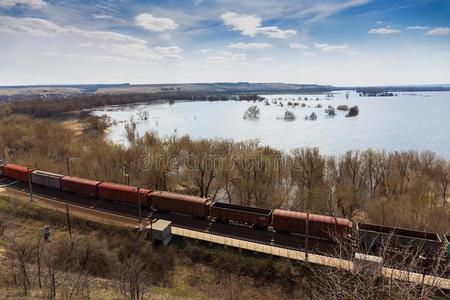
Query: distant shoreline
x=19, y=91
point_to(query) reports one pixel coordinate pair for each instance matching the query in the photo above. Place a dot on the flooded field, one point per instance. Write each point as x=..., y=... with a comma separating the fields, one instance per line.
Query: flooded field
x=418, y=121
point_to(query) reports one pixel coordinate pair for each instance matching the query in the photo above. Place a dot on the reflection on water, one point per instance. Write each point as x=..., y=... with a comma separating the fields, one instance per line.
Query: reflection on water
x=406, y=122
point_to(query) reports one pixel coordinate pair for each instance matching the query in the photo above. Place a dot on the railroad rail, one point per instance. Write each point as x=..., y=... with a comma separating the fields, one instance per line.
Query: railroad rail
x=241, y=237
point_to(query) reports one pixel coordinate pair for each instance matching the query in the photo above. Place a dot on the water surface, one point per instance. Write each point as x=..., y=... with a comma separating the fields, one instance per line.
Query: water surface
x=408, y=121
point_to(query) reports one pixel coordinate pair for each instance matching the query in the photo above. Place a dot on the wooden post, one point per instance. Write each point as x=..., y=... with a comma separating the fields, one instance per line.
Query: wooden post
x=68, y=221
x=30, y=186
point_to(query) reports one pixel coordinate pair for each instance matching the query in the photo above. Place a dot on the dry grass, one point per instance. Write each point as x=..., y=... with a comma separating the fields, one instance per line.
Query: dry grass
x=186, y=279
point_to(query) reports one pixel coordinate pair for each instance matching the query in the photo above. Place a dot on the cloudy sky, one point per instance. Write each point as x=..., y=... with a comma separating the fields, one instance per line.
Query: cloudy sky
x=339, y=42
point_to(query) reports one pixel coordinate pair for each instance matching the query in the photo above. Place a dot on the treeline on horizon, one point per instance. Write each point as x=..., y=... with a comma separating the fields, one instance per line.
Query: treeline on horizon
x=407, y=189
x=46, y=107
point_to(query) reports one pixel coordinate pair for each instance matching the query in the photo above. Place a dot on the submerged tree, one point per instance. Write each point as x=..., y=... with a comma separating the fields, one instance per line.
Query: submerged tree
x=252, y=113
x=289, y=116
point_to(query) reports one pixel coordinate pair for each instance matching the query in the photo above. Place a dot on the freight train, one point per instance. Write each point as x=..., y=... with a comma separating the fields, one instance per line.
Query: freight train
x=370, y=238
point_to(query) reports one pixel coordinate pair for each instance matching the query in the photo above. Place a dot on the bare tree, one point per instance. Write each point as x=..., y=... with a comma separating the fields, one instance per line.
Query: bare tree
x=20, y=253
x=367, y=281
x=133, y=274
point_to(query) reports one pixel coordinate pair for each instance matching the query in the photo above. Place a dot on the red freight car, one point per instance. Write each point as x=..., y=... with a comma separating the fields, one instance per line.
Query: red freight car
x=123, y=193
x=80, y=186
x=17, y=172
x=259, y=217
x=184, y=204
x=314, y=225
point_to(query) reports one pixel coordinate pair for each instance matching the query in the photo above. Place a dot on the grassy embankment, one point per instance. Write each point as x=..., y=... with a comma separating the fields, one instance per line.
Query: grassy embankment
x=184, y=269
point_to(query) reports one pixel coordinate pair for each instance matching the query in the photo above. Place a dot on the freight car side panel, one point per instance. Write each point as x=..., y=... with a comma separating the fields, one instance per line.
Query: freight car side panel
x=289, y=221
x=242, y=214
x=311, y=224
x=373, y=237
x=46, y=179
x=330, y=227
x=80, y=186
x=172, y=202
x=123, y=193
x=16, y=172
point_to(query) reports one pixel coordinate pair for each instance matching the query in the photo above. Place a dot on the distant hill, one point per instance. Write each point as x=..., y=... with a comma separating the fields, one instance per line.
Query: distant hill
x=7, y=92
x=219, y=87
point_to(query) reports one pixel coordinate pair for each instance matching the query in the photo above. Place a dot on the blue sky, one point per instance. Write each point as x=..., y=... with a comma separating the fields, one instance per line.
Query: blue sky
x=339, y=42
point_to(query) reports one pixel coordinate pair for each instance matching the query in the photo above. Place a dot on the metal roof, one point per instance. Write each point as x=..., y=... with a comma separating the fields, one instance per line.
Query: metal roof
x=160, y=225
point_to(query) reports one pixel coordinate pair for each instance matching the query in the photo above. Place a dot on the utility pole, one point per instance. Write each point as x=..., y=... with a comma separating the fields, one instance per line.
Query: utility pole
x=139, y=206
x=307, y=237
x=68, y=221
x=30, y=185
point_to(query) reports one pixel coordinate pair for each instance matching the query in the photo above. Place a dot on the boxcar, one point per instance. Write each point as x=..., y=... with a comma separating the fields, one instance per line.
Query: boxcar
x=80, y=186
x=372, y=237
x=46, y=179
x=183, y=204
x=123, y=193
x=16, y=172
x=315, y=225
x=258, y=217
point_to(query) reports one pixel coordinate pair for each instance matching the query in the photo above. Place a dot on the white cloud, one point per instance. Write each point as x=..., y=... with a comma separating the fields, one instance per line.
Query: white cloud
x=238, y=57
x=384, y=31
x=118, y=43
x=152, y=23
x=246, y=24
x=250, y=25
x=438, y=31
x=168, y=50
x=322, y=10
x=276, y=33
x=335, y=48
x=36, y=4
x=103, y=17
x=268, y=58
x=297, y=46
x=206, y=50
x=216, y=59
x=249, y=45
x=142, y=51
x=45, y=28
x=58, y=54
x=86, y=45
x=227, y=57
x=100, y=58
x=416, y=27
